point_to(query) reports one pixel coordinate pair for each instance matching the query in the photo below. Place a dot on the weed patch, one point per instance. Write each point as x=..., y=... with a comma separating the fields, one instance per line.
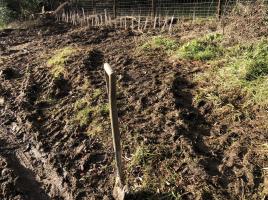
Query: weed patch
x=141, y=156
x=83, y=116
x=159, y=43
x=205, y=48
x=58, y=61
x=88, y=114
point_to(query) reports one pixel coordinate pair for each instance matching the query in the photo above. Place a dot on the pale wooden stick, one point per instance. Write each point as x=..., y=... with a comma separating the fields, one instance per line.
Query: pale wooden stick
x=132, y=24
x=105, y=17
x=72, y=17
x=97, y=21
x=101, y=20
x=171, y=24
x=139, y=22
x=155, y=19
x=115, y=23
x=163, y=28
x=69, y=17
x=84, y=16
x=110, y=20
x=194, y=15
x=145, y=25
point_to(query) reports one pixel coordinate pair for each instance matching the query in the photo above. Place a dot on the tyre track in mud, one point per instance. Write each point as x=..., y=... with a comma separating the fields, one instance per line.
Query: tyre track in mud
x=33, y=159
x=45, y=137
x=25, y=181
x=30, y=163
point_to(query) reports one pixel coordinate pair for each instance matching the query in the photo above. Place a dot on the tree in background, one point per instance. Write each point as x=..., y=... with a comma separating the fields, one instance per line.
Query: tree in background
x=21, y=9
x=28, y=7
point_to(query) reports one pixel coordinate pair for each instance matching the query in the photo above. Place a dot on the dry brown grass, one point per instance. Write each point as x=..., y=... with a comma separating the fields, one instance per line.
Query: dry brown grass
x=247, y=21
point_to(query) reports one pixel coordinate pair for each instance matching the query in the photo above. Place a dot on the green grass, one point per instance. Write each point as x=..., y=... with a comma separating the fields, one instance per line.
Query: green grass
x=88, y=114
x=85, y=112
x=158, y=43
x=241, y=81
x=141, y=156
x=238, y=75
x=258, y=61
x=57, y=62
x=81, y=103
x=2, y=26
x=205, y=48
x=156, y=171
x=83, y=116
x=6, y=16
x=96, y=93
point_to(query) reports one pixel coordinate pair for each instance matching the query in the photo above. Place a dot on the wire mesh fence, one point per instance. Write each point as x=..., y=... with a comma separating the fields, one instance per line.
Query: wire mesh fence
x=176, y=8
x=2, y=2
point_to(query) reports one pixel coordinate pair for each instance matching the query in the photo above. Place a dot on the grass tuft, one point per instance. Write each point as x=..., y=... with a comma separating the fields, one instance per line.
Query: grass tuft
x=258, y=65
x=141, y=156
x=58, y=61
x=159, y=42
x=205, y=48
x=83, y=116
x=87, y=112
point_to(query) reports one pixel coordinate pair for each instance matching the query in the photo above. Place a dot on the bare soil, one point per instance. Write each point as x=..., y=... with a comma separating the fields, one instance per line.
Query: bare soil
x=44, y=155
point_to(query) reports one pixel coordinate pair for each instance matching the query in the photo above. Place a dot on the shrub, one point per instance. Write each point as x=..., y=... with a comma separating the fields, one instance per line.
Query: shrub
x=24, y=8
x=30, y=6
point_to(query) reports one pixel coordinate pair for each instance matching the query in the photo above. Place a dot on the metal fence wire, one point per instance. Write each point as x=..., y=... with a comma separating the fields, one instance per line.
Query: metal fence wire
x=176, y=8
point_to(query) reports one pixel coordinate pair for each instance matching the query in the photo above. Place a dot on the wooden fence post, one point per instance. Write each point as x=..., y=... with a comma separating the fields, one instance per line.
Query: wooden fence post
x=153, y=8
x=120, y=190
x=115, y=9
x=219, y=9
x=111, y=88
x=93, y=7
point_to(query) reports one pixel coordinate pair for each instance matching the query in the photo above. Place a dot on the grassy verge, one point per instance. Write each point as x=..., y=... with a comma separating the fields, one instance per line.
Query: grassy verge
x=239, y=80
x=237, y=76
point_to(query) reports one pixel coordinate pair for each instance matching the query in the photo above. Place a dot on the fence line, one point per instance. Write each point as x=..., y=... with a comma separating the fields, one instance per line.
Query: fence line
x=135, y=23
x=176, y=8
x=155, y=19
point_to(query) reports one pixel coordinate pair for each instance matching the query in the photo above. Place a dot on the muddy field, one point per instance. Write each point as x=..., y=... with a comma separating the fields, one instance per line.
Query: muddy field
x=188, y=151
